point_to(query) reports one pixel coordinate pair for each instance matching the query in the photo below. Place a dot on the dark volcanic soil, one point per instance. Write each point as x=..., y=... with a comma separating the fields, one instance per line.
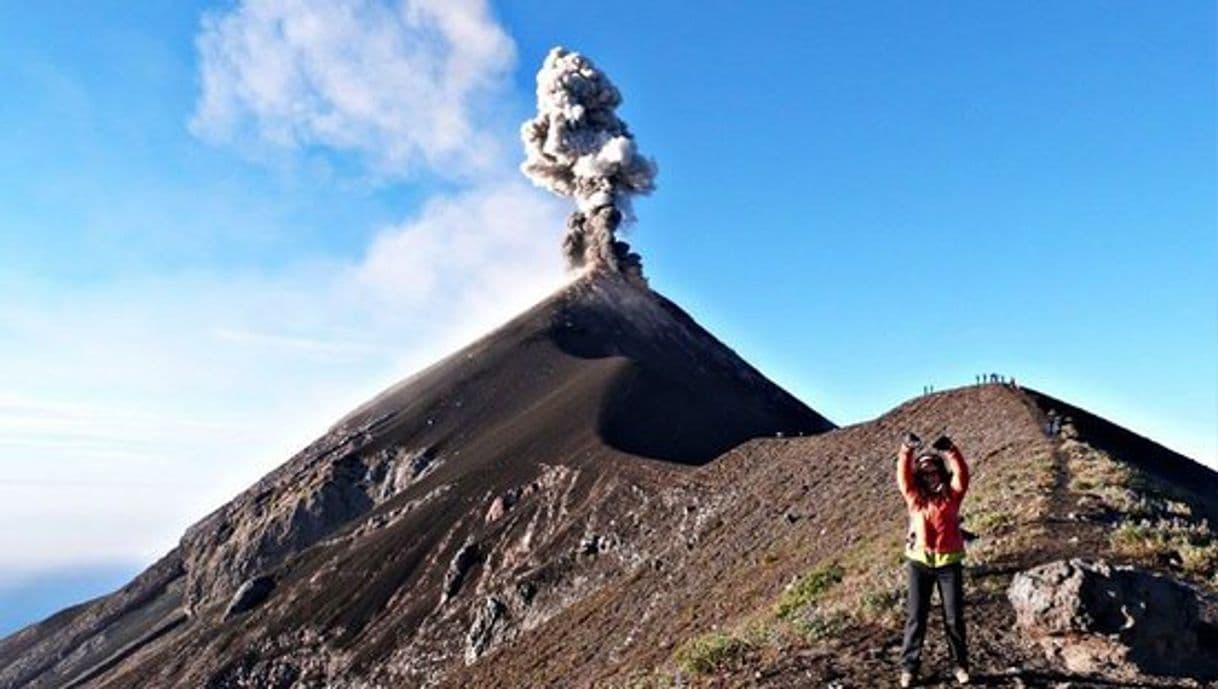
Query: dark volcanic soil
x=579, y=499
x=488, y=473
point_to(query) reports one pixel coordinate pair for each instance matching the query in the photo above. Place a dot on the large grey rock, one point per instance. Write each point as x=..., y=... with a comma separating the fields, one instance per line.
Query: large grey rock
x=251, y=594
x=488, y=625
x=1095, y=617
x=454, y=576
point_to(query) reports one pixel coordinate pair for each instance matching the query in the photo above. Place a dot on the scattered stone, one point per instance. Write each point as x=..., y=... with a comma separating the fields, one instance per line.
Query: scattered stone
x=250, y=595
x=591, y=544
x=419, y=463
x=497, y=509
x=489, y=622
x=457, y=569
x=526, y=591
x=501, y=504
x=1095, y=617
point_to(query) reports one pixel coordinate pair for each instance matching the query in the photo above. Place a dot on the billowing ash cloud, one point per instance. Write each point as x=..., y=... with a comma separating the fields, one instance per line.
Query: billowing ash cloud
x=578, y=147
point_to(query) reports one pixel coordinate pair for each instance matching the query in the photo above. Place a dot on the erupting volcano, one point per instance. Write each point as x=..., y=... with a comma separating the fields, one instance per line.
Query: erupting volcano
x=601, y=491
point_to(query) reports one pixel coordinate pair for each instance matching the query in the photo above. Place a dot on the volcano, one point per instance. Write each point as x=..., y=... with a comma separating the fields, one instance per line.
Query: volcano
x=503, y=463
x=602, y=494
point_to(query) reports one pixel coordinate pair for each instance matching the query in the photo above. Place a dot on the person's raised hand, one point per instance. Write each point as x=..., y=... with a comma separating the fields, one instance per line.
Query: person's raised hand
x=912, y=441
x=943, y=443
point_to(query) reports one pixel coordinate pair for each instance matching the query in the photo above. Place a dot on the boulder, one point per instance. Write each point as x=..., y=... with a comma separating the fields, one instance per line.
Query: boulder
x=250, y=595
x=1096, y=617
x=454, y=576
x=488, y=625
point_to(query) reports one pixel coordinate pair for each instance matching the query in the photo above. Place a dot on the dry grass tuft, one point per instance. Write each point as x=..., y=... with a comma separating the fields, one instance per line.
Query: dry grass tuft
x=712, y=652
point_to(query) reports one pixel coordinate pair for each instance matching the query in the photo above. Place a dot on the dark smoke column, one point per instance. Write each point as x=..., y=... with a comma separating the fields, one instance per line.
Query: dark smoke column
x=577, y=147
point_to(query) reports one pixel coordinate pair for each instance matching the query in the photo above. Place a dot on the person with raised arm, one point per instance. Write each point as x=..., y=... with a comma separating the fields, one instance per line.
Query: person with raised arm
x=933, y=483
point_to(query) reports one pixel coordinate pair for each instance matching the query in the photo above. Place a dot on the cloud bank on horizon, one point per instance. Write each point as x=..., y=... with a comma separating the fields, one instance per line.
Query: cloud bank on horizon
x=190, y=385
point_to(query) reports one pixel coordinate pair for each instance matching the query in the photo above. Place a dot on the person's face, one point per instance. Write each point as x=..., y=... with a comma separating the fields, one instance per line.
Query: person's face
x=932, y=477
x=937, y=479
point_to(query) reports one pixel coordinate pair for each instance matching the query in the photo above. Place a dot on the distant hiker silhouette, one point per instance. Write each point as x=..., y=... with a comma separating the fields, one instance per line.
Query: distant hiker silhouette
x=933, y=489
x=1053, y=424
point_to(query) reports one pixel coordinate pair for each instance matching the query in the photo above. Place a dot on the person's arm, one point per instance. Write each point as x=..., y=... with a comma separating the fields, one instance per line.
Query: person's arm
x=955, y=464
x=905, y=479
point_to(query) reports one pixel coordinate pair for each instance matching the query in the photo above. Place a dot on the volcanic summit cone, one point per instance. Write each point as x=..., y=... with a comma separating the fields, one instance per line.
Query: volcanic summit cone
x=377, y=539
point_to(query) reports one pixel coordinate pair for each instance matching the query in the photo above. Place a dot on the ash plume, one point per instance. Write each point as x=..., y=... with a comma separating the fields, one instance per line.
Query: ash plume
x=578, y=147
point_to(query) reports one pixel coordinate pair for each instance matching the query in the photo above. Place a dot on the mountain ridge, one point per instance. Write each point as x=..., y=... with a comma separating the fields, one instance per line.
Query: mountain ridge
x=579, y=499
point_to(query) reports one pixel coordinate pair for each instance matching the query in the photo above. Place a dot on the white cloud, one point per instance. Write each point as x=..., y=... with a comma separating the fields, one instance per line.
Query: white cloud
x=466, y=246
x=148, y=402
x=402, y=85
x=131, y=409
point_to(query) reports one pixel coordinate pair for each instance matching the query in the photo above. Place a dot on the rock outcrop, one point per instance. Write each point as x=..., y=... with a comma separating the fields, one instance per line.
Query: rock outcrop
x=487, y=625
x=251, y=594
x=1095, y=617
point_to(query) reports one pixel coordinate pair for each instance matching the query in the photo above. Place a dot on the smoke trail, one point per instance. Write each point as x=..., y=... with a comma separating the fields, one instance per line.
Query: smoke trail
x=578, y=147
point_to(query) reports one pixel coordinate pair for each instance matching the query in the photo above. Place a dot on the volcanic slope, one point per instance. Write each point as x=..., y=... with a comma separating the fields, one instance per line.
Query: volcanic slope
x=784, y=565
x=448, y=516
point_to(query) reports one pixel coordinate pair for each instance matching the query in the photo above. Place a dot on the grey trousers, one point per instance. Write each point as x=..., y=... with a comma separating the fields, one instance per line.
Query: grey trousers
x=950, y=582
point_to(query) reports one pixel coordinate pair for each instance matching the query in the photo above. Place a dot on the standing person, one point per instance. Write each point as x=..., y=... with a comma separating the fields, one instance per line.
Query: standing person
x=934, y=549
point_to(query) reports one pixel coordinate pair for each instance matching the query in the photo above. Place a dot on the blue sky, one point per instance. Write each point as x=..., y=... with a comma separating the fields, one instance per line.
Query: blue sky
x=218, y=235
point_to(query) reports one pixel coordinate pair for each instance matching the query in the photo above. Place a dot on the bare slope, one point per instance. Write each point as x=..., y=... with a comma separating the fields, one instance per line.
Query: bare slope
x=490, y=470
x=784, y=568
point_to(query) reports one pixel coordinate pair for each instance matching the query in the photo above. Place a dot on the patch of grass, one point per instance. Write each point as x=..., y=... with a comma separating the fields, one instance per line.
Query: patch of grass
x=1201, y=559
x=644, y=680
x=1010, y=501
x=1193, y=544
x=989, y=521
x=710, y=652
x=880, y=604
x=760, y=633
x=1158, y=524
x=1120, y=487
x=807, y=590
x=1080, y=484
x=990, y=585
x=817, y=625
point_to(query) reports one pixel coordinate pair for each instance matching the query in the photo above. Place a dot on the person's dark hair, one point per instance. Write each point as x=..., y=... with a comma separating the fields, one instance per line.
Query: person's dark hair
x=929, y=470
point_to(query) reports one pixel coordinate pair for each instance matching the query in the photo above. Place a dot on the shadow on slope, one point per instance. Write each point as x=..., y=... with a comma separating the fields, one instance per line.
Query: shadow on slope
x=683, y=396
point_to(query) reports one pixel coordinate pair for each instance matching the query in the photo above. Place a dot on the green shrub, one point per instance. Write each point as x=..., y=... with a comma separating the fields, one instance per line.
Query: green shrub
x=805, y=591
x=988, y=522
x=1201, y=559
x=643, y=680
x=880, y=603
x=710, y=652
x=1193, y=543
x=1081, y=485
x=816, y=625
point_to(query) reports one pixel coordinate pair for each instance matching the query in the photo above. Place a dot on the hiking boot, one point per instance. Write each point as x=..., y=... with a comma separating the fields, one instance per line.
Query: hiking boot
x=962, y=676
x=907, y=679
